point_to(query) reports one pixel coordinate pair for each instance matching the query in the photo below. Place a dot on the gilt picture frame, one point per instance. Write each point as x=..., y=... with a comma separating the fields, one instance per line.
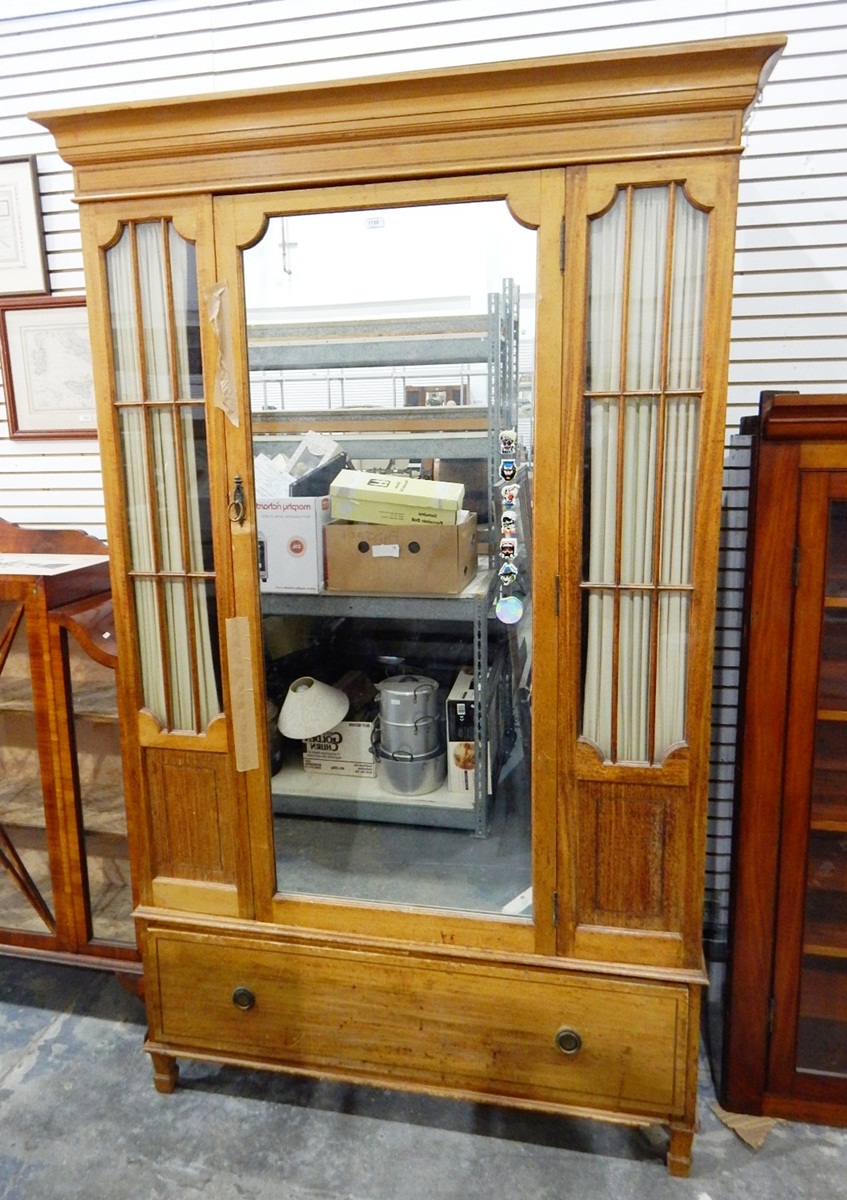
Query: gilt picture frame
x=48, y=375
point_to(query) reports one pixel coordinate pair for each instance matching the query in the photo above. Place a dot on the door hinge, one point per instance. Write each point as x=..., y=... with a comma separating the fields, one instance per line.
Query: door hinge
x=555, y=910
x=556, y=595
x=771, y=1015
x=795, y=567
x=562, y=247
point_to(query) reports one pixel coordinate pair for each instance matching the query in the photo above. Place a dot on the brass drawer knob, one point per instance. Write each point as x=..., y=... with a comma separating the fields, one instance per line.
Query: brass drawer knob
x=568, y=1041
x=243, y=998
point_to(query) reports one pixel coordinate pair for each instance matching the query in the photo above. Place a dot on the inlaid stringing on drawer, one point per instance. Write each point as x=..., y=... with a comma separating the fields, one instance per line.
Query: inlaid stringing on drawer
x=470, y=1027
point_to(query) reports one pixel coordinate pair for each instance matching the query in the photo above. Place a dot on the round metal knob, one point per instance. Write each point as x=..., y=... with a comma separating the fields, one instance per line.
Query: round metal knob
x=568, y=1041
x=243, y=998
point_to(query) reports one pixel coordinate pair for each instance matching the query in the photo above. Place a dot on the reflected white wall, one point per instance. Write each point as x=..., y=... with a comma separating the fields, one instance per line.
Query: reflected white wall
x=398, y=262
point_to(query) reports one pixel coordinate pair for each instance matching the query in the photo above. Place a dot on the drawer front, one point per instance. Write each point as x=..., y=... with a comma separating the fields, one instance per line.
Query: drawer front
x=464, y=1027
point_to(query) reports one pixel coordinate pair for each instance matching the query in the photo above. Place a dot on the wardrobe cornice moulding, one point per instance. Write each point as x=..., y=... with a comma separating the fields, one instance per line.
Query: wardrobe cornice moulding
x=627, y=105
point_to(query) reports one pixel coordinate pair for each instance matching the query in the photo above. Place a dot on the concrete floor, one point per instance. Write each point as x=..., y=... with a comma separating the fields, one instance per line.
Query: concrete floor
x=79, y=1117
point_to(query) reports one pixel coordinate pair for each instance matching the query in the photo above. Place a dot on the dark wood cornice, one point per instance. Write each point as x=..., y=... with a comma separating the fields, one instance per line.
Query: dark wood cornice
x=788, y=416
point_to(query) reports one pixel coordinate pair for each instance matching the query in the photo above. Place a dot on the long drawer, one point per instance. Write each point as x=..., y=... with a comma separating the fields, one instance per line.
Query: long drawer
x=531, y=1034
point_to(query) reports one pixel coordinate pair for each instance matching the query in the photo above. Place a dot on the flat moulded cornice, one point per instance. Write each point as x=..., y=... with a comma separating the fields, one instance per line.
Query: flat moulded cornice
x=495, y=116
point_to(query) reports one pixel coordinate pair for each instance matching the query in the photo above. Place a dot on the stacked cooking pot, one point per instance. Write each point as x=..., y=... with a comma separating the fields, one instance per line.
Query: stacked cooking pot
x=410, y=746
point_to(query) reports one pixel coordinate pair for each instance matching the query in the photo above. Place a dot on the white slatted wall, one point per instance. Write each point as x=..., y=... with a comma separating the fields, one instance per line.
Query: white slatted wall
x=790, y=309
x=790, y=325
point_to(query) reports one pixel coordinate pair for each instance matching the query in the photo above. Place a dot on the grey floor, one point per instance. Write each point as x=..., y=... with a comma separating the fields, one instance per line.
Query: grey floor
x=79, y=1117
x=413, y=864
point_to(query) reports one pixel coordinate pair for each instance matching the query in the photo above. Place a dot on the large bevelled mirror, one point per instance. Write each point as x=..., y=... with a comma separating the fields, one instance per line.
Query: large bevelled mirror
x=391, y=358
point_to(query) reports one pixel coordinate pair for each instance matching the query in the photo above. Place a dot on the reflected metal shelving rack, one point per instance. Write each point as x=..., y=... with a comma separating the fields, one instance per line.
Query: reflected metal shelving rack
x=460, y=432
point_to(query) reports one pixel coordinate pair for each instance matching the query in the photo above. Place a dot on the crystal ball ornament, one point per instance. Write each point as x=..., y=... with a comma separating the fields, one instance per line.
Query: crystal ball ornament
x=509, y=609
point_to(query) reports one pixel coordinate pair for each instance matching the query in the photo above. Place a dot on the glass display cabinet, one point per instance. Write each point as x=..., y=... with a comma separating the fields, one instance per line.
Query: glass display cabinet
x=786, y=1037
x=65, y=889
x=500, y=298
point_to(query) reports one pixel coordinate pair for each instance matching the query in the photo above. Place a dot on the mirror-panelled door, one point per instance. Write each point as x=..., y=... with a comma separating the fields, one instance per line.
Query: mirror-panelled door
x=398, y=331
x=170, y=561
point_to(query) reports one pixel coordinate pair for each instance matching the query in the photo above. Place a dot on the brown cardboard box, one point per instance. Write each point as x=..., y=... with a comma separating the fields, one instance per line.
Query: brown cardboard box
x=343, y=750
x=401, y=560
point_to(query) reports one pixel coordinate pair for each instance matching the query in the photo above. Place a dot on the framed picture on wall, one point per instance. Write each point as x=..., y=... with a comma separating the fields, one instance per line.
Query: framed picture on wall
x=48, y=376
x=23, y=261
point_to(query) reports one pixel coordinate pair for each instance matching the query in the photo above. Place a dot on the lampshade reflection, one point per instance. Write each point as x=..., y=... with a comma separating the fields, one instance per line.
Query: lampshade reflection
x=311, y=708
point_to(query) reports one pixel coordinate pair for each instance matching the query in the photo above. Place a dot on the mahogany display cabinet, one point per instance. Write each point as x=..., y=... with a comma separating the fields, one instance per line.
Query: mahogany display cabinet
x=786, y=1016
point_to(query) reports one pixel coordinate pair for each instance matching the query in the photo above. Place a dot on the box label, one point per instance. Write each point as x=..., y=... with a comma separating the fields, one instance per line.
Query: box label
x=338, y=766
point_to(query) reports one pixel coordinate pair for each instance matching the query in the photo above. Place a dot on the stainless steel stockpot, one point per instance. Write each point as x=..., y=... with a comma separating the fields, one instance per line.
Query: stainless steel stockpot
x=421, y=736
x=403, y=698
x=409, y=774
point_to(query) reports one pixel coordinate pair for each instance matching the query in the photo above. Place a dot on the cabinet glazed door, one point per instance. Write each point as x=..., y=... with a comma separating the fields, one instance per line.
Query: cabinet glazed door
x=166, y=500
x=647, y=270
x=808, y=1054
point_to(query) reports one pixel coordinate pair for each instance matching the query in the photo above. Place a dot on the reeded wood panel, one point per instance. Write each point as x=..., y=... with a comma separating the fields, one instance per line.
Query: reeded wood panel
x=628, y=844
x=193, y=832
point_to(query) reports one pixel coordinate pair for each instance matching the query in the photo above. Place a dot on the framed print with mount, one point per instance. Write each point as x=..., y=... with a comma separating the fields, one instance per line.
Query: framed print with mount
x=47, y=369
x=23, y=260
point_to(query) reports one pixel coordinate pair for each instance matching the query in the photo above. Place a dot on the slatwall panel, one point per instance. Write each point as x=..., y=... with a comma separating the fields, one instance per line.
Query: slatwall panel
x=725, y=691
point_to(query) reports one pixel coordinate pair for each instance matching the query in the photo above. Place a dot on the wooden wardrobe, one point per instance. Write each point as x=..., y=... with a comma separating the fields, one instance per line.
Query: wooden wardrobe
x=537, y=940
